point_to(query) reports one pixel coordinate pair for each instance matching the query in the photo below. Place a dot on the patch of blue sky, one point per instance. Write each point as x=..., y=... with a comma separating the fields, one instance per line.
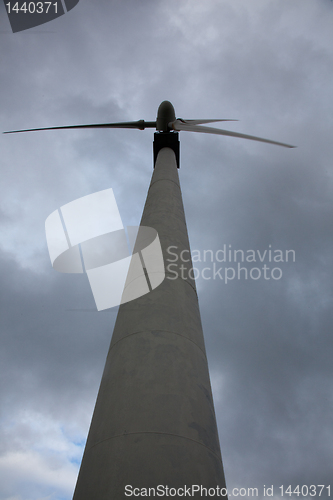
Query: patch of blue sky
x=75, y=461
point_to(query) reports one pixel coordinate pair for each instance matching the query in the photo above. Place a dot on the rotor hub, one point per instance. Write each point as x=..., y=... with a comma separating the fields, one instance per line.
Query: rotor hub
x=165, y=115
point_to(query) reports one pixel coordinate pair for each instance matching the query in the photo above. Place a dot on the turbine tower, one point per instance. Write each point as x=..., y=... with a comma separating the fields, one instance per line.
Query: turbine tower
x=154, y=427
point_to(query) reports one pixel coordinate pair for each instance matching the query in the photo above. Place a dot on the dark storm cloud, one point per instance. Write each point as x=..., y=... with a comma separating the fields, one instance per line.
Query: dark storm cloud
x=269, y=343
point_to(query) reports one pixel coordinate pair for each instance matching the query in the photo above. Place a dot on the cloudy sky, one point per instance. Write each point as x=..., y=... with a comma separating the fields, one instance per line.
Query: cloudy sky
x=268, y=63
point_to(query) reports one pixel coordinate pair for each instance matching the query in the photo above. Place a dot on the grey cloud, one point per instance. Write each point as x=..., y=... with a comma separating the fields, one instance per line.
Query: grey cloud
x=269, y=344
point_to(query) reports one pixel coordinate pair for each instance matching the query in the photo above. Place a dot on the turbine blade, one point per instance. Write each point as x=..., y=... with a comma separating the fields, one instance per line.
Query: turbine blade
x=210, y=130
x=199, y=122
x=140, y=124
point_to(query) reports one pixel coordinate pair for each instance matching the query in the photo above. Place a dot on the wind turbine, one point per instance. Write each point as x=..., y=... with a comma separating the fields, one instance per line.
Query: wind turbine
x=154, y=427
